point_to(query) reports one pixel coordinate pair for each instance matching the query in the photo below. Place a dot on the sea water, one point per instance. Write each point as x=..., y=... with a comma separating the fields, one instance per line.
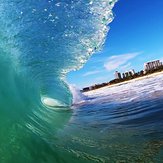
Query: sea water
x=42, y=120
x=123, y=123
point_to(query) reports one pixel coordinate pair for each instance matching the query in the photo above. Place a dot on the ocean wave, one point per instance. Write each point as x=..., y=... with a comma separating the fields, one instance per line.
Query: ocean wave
x=40, y=42
x=47, y=39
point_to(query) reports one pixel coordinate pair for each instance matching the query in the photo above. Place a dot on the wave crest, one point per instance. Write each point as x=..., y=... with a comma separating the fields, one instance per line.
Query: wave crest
x=47, y=39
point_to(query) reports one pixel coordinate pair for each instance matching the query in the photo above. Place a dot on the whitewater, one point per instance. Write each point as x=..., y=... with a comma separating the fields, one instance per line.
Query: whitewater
x=43, y=119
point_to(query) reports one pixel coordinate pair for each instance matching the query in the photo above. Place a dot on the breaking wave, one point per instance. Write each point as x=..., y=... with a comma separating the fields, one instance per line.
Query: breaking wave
x=47, y=39
x=40, y=42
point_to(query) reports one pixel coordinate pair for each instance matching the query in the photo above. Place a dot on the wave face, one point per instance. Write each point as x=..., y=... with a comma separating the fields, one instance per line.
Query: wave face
x=40, y=42
x=47, y=39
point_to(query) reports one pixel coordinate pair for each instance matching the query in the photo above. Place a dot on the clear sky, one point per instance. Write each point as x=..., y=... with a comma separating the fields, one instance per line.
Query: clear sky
x=135, y=37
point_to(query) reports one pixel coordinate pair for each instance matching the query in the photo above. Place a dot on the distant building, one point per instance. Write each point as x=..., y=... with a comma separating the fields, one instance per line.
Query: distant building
x=85, y=89
x=91, y=87
x=132, y=71
x=128, y=73
x=117, y=75
x=151, y=65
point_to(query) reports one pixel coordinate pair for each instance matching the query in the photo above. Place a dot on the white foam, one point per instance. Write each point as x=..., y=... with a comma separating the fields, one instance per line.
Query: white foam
x=128, y=92
x=78, y=97
x=52, y=103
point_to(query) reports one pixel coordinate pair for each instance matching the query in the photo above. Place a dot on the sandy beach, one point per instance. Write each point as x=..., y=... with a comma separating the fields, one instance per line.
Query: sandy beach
x=132, y=80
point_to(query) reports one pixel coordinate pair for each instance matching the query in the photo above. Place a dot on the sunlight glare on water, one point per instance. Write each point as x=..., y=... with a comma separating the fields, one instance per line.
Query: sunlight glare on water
x=51, y=102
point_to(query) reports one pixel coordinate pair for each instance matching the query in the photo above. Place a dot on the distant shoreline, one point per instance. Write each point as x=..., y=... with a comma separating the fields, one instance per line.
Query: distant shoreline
x=129, y=81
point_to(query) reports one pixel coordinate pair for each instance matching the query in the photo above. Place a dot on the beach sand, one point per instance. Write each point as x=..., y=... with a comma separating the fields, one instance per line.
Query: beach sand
x=132, y=80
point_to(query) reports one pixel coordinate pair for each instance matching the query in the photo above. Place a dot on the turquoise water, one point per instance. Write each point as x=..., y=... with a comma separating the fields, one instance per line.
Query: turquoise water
x=46, y=39
x=40, y=42
x=118, y=124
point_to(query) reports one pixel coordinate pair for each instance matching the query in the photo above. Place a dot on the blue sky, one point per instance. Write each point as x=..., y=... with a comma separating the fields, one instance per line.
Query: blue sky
x=135, y=37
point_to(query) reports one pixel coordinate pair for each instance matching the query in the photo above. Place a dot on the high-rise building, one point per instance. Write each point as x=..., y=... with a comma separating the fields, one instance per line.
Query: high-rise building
x=117, y=75
x=132, y=71
x=151, y=65
x=128, y=73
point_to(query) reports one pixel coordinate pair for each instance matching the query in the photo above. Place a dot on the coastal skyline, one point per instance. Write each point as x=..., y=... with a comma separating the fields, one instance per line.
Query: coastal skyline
x=152, y=68
x=134, y=38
